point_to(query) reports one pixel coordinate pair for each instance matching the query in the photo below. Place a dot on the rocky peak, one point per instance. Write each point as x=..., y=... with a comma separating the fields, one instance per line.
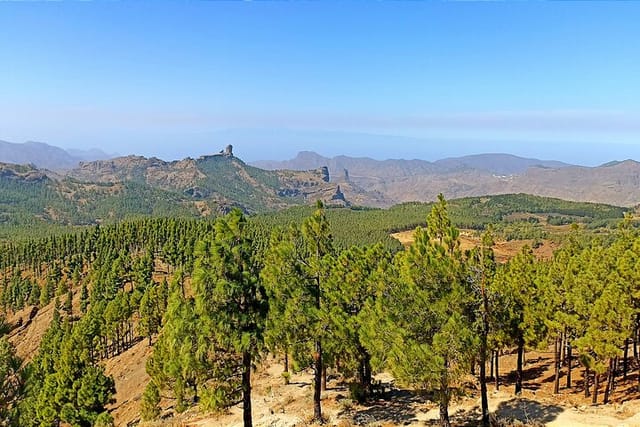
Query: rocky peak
x=338, y=195
x=325, y=173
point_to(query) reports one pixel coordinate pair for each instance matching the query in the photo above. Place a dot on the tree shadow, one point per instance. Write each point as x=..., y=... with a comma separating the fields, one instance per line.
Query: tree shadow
x=527, y=411
x=301, y=384
x=397, y=408
x=461, y=418
x=530, y=377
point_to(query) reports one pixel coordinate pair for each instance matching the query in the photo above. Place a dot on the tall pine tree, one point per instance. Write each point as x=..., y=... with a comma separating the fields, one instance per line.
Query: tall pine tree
x=230, y=299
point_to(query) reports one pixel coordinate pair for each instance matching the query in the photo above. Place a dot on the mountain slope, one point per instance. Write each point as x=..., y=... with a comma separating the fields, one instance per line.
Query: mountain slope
x=399, y=181
x=110, y=190
x=617, y=184
x=45, y=156
x=497, y=163
x=225, y=180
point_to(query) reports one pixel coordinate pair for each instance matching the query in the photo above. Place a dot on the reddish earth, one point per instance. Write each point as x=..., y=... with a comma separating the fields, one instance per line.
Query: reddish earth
x=503, y=249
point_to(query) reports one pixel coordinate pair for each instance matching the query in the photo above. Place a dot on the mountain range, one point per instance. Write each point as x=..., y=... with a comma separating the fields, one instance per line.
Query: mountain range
x=497, y=163
x=47, y=156
x=111, y=189
x=108, y=190
x=399, y=181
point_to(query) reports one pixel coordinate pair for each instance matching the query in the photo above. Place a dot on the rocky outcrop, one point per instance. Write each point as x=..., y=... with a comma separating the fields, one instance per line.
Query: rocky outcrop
x=338, y=195
x=26, y=173
x=227, y=152
x=325, y=173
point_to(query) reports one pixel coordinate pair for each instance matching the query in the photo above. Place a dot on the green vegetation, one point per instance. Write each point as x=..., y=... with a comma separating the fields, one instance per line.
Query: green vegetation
x=321, y=288
x=231, y=304
x=64, y=382
x=427, y=349
x=11, y=381
x=244, y=184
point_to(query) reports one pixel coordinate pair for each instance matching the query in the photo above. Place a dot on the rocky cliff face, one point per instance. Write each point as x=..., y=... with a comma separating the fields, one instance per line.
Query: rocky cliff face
x=177, y=175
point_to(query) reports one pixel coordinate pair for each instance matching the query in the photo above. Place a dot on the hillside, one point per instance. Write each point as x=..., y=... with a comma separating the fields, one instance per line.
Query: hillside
x=109, y=190
x=102, y=267
x=400, y=181
x=222, y=178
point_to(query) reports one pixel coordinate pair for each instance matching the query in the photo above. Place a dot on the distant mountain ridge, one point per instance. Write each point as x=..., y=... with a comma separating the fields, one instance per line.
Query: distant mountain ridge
x=497, y=163
x=46, y=156
x=112, y=189
x=616, y=183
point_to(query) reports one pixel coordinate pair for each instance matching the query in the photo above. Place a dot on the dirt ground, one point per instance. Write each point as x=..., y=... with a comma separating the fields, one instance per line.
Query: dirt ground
x=279, y=405
x=503, y=249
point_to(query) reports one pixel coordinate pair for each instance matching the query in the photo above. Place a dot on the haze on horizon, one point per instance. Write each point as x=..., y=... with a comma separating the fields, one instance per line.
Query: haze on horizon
x=383, y=80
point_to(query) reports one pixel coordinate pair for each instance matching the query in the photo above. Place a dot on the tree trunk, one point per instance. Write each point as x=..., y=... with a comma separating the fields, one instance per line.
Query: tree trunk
x=444, y=397
x=246, y=389
x=497, y=377
x=365, y=381
x=596, y=384
x=569, y=360
x=324, y=378
x=563, y=342
x=635, y=342
x=444, y=413
x=607, y=387
x=483, y=381
x=493, y=353
x=519, y=365
x=625, y=364
x=616, y=363
x=285, y=370
x=587, y=373
x=317, y=383
x=556, y=365
x=286, y=362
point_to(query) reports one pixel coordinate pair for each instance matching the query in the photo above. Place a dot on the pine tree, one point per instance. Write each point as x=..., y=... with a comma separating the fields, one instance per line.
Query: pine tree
x=519, y=287
x=64, y=383
x=149, y=406
x=182, y=359
x=424, y=333
x=11, y=381
x=608, y=327
x=230, y=299
x=352, y=285
x=151, y=310
x=295, y=274
x=482, y=269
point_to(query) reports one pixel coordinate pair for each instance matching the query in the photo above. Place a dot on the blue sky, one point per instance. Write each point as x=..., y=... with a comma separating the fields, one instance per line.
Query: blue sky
x=381, y=79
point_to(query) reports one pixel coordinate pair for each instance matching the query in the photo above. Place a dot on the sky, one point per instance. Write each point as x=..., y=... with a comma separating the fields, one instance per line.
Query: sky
x=379, y=79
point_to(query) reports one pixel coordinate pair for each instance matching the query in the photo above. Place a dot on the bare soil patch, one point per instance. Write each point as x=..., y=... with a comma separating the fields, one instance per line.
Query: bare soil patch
x=503, y=249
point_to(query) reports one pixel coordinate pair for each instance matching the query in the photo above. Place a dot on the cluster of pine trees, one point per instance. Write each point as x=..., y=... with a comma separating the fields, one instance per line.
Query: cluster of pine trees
x=429, y=314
